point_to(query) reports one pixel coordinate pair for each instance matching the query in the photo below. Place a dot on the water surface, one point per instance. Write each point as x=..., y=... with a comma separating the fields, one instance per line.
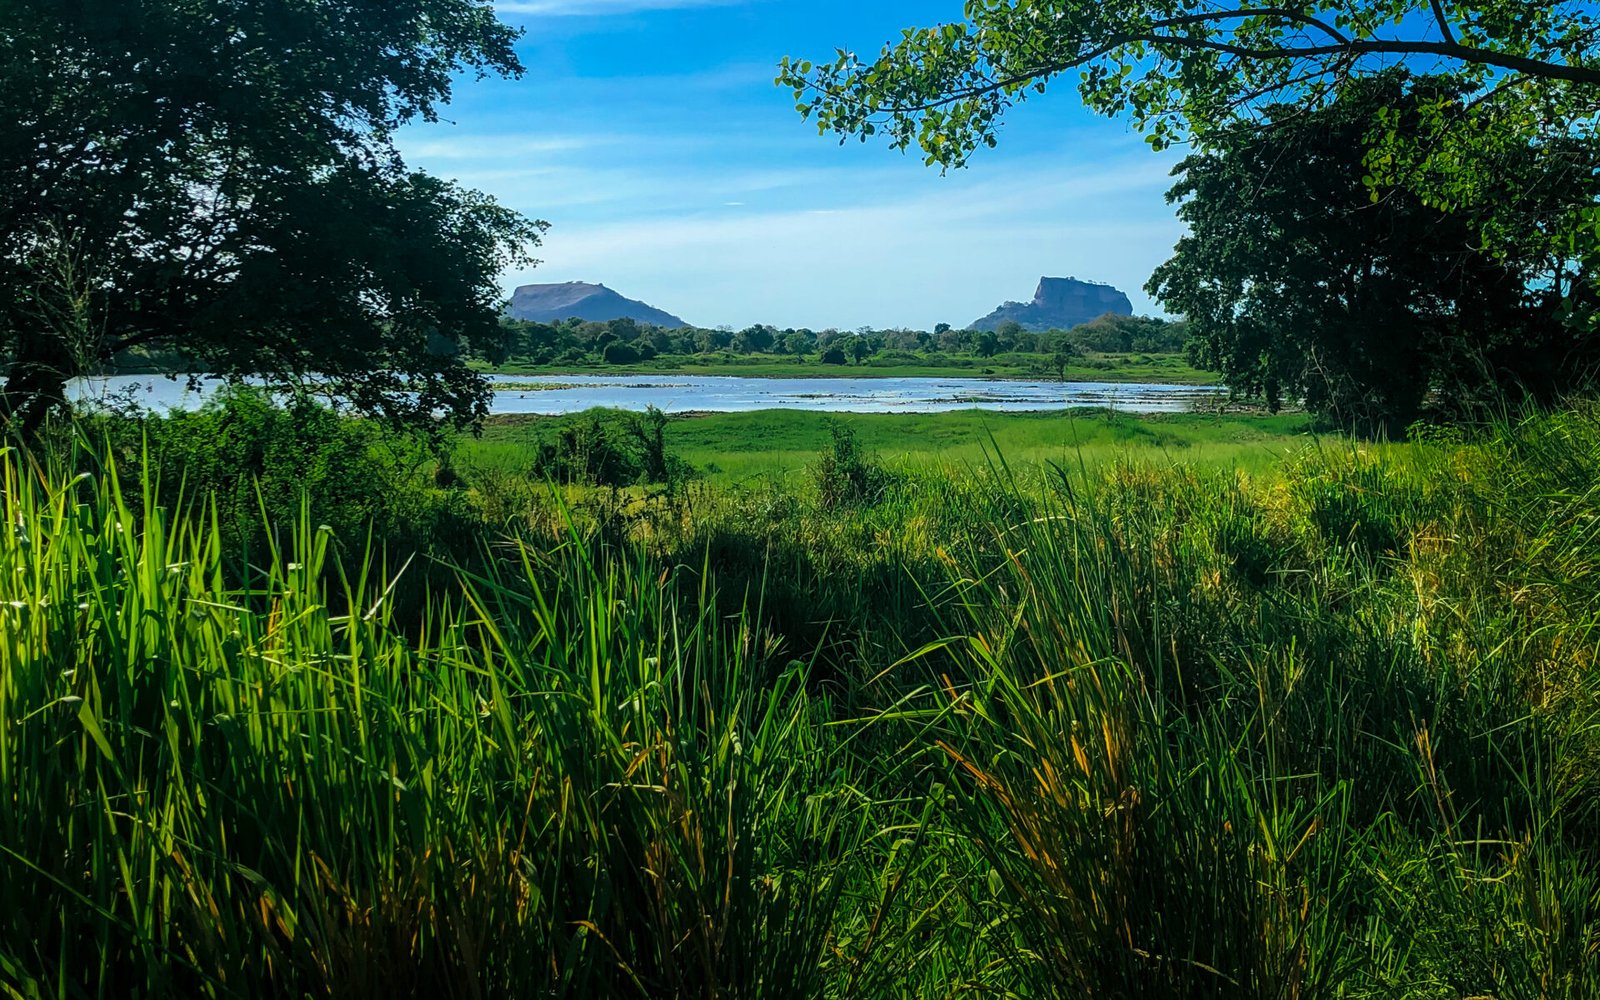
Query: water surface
x=734, y=393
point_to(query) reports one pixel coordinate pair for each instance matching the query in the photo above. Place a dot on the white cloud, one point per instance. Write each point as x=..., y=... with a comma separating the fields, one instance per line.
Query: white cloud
x=721, y=226
x=950, y=254
x=590, y=8
x=481, y=148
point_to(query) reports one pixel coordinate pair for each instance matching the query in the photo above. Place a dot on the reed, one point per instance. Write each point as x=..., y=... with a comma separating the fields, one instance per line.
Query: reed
x=571, y=777
x=1122, y=729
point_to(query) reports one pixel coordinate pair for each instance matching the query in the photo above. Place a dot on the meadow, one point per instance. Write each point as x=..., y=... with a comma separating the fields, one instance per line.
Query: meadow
x=729, y=448
x=1167, y=368
x=1003, y=706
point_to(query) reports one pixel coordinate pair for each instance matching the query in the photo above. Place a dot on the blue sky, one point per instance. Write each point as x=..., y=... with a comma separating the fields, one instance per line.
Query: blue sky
x=649, y=134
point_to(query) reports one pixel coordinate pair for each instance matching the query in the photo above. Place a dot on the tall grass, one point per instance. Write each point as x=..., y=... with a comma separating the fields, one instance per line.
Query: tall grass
x=577, y=780
x=1204, y=766
x=1132, y=731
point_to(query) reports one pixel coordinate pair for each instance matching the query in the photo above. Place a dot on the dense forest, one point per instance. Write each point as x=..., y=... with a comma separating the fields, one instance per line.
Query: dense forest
x=623, y=341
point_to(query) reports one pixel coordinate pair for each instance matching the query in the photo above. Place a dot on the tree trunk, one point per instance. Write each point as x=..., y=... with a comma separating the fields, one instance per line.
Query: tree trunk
x=36, y=383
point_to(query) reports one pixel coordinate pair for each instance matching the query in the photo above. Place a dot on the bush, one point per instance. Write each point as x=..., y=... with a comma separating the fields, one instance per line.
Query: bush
x=846, y=476
x=1362, y=509
x=608, y=448
x=893, y=358
x=259, y=461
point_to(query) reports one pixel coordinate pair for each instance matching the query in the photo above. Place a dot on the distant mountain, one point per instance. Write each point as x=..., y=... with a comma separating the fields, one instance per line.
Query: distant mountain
x=549, y=303
x=1060, y=304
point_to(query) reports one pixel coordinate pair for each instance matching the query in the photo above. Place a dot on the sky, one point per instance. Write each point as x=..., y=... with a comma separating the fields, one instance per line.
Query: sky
x=651, y=137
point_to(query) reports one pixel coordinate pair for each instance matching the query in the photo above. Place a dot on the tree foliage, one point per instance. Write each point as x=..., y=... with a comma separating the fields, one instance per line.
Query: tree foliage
x=1299, y=286
x=578, y=342
x=1493, y=143
x=218, y=177
x=1201, y=70
x=1182, y=67
x=610, y=448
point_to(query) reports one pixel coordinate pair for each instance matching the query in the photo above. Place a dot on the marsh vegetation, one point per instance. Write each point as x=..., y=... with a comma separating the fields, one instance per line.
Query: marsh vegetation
x=292, y=709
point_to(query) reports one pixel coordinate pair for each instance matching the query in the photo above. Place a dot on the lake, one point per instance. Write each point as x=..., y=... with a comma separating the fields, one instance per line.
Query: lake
x=732, y=393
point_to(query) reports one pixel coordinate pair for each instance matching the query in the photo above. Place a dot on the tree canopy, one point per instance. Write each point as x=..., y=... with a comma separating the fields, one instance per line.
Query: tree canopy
x=1298, y=285
x=219, y=178
x=1188, y=67
x=1508, y=115
x=1195, y=70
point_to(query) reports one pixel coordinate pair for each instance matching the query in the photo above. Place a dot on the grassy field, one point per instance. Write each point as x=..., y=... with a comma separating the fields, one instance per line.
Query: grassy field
x=1161, y=368
x=728, y=447
x=286, y=708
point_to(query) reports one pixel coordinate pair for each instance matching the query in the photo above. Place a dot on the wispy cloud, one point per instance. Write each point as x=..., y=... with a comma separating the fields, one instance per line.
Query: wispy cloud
x=949, y=253
x=649, y=133
x=487, y=148
x=582, y=8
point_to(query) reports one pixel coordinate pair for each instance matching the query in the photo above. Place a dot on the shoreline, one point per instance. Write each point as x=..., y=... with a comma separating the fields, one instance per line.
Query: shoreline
x=1245, y=411
x=1120, y=372
x=1179, y=374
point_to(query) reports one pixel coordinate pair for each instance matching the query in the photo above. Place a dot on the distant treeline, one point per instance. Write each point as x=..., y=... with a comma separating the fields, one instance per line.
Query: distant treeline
x=626, y=341
x=580, y=342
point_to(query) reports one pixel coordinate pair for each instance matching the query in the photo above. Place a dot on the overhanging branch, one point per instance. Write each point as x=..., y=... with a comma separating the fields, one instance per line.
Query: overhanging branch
x=1345, y=51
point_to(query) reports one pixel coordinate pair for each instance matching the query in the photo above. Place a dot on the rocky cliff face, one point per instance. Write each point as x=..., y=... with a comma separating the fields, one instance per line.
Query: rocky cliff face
x=549, y=303
x=1060, y=303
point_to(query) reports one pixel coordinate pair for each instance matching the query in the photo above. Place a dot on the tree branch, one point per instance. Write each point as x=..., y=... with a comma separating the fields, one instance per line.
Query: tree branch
x=1160, y=33
x=1443, y=22
x=1294, y=16
x=1348, y=51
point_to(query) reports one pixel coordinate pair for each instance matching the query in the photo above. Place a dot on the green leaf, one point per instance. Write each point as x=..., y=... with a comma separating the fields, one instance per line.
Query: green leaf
x=91, y=725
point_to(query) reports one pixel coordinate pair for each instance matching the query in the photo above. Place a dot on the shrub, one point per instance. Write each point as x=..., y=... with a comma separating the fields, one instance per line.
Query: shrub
x=259, y=461
x=847, y=476
x=608, y=448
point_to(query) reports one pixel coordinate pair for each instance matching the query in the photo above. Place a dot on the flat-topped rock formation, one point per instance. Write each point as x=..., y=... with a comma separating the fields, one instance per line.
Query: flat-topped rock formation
x=551, y=303
x=1060, y=304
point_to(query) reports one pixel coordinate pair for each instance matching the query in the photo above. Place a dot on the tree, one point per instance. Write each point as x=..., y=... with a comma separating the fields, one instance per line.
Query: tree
x=218, y=179
x=900, y=340
x=1007, y=335
x=833, y=356
x=624, y=328
x=860, y=348
x=1061, y=360
x=799, y=342
x=1298, y=286
x=755, y=339
x=1203, y=69
x=1120, y=334
x=1183, y=65
x=711, y=341
x=618, y=353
